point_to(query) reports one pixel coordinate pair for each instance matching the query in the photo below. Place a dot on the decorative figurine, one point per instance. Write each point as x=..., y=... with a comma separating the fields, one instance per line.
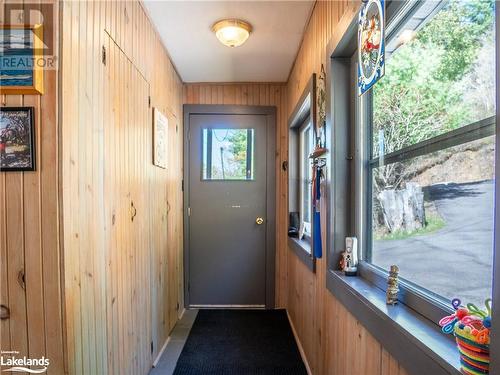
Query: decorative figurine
x=342, y=261
x=392, y=286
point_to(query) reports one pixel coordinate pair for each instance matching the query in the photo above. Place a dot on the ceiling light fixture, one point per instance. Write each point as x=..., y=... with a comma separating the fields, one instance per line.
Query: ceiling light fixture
x=232, y=32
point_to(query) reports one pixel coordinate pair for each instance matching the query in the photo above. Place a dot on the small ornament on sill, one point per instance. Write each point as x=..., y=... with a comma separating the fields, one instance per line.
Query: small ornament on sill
x=342, y=261
x=351, y=256
x=392, y=286
x=471, y=327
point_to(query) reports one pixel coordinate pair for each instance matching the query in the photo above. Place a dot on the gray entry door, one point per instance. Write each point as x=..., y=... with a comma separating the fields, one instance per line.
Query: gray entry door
x=227, y=210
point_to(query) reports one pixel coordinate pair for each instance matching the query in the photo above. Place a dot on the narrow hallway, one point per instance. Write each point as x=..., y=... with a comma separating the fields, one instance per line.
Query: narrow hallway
x=249, y=187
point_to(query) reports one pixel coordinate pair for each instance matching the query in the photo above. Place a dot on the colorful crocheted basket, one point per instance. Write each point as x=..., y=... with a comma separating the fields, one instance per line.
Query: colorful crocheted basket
x=471, y=328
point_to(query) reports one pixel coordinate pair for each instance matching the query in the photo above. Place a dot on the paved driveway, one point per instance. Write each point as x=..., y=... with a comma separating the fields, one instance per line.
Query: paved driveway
x=456, y=260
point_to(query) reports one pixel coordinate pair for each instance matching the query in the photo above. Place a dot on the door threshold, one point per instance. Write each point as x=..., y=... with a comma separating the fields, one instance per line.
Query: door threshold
x=227, y=306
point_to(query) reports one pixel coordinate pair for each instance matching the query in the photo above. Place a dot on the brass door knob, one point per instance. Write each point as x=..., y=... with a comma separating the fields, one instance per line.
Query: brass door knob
x=259, y=221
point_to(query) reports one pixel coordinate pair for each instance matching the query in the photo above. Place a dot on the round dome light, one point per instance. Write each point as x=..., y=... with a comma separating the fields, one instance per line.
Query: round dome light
x=232, y=32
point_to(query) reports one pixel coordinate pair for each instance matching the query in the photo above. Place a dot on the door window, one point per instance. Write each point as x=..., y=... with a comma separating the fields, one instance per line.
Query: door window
x=228, y=154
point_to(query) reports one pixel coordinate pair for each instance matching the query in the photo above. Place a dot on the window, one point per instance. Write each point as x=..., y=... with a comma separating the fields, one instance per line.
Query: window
x=429, y=164
x=228, y=154
x=301, y=140
x=306, y=140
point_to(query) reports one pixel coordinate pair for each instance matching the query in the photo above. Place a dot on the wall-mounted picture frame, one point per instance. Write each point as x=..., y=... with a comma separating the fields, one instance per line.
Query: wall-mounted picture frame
x=160, y=138
x=17, y=139
x=371, y=44
x=21, y=70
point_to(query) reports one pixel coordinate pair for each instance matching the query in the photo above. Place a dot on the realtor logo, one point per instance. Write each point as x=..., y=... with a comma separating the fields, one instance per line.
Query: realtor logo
x=27, y=36
x=12, y=363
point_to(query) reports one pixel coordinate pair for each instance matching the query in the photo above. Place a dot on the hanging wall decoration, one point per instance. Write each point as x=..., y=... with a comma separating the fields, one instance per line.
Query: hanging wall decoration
x=371, y=44
x=17, y=139
x=21, y=66
x=321, y=109
x=160, y=129
x=318, y=113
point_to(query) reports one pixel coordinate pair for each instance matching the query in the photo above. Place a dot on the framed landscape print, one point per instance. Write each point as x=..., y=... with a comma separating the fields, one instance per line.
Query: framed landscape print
x=371, y=44
x=22, y=50
x=160, y=129
x=17, y=139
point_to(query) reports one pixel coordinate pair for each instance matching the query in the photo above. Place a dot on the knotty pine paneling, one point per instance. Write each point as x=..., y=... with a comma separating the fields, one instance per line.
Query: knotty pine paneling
x=334, y=342
x=123, y=278
x=30, y=252
x=263, y=94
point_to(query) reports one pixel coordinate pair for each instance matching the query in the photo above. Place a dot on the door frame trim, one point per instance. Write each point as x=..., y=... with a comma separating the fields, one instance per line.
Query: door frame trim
x=271, y=170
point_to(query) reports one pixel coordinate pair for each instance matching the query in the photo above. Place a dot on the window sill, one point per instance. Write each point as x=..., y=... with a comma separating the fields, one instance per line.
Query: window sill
x=303, y=250
x=417, y=343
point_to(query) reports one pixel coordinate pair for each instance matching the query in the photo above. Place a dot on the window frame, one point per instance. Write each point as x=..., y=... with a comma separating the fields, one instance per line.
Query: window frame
x=303, y=114
x=423, y=301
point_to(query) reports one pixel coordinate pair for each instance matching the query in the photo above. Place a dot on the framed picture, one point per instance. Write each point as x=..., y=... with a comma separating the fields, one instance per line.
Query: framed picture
x=371, y=44
x=22, y=51
x=17, y=139
x=160, y=129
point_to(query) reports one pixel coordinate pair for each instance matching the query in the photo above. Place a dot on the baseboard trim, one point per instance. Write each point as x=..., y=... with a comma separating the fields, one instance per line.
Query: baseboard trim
x=299, y=345
x=181, y=314
x=155, y=362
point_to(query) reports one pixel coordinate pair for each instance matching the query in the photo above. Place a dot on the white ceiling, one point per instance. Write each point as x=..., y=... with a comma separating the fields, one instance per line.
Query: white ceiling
x=267, y=56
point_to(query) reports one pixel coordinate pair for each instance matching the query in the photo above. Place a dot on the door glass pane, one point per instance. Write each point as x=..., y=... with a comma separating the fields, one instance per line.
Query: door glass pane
x=228, y=154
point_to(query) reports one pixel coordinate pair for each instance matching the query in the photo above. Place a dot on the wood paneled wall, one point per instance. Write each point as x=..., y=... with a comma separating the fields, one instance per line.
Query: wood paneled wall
x=29, y=236
x=333, y=341
x=123, y=278
x=264, y=94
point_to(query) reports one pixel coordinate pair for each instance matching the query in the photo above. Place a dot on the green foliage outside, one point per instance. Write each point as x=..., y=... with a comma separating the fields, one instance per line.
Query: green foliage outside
x=433, y=223
x=238, y=149
x=422, y=92
x=441, y=80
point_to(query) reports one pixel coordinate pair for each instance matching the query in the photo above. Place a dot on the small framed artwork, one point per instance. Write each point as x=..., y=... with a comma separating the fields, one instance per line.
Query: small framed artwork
x=22, y=52
x=17, y=139
x=371, y=44
x=160, y=130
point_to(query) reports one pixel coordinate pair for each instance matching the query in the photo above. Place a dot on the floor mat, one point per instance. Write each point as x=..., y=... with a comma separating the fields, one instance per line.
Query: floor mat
x=241, y=342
